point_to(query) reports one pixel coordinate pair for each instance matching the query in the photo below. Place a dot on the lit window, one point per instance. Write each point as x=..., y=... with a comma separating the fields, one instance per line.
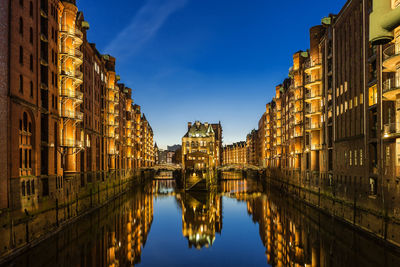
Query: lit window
x=355, y=158
x=361, y=157
x=350, y=158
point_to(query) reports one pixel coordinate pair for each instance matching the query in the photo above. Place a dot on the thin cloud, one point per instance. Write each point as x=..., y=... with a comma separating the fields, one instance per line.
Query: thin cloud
x=148, y=20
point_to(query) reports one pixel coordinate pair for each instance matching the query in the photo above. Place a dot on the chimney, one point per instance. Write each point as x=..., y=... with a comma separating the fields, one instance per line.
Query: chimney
x=189, y=125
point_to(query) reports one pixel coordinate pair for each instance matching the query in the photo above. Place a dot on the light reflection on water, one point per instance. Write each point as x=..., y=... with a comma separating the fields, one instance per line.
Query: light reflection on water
x=240, y=223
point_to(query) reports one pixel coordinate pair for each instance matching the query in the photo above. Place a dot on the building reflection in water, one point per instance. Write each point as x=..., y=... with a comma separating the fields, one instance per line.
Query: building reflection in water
x=292, y=233
x=130, y=231
x=201, y=217
x=295, y=234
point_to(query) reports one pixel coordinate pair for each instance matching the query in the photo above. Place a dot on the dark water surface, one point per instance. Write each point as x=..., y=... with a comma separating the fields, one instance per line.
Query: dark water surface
x=240, y=223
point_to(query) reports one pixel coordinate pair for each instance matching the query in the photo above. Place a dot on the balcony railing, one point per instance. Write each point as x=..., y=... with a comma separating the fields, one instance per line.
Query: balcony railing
x=313, y=147
x=311, y=80
x=298, y=134
x=114, y=89
x=71, y=114
x=73, y=52
x=310, y=110
x=72, y=31
x=75, y=94
x=298, y=122
x=391, y=129
x=72, y=74
x=390, y=85
x=314, y=94
x=311, y=64
x=314, y=125
x=391, y=51
x=70, y=142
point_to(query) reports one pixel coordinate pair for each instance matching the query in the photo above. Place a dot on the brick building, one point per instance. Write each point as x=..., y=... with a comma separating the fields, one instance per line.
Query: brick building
x=68, y=121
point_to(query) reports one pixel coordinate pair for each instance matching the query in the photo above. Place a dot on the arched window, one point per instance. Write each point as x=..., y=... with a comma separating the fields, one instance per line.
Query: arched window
x=21, y=26
x=31, y=62
x=31, y=9
x=31, y=35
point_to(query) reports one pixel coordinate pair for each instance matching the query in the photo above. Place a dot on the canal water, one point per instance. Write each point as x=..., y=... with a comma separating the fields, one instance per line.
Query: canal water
x=241, y=222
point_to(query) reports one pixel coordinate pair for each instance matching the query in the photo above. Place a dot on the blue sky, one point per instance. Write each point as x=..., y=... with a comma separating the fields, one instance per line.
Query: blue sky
x=208, y=60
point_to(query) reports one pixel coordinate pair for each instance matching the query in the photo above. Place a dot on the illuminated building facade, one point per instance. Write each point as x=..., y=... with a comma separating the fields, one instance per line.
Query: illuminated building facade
x=252, y=147
x=332, y=127
x=235, y=153
x=67, y=121
x=202, y=146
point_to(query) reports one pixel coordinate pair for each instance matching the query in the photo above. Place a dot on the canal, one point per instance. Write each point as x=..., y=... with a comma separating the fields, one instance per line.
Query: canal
x=241, y=222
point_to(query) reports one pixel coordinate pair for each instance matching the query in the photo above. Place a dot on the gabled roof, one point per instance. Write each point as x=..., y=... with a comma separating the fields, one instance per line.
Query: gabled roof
x=199, y=129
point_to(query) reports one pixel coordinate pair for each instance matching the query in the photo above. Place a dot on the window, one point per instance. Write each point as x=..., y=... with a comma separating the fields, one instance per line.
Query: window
x=372, y=186
x=23, y=188
x=355, y=158
x=31, y=62
x=21, y=26
x=21, y=55
x=31, y=35
x=33, y=187
x=361, y=157
x=21, y=3
x=21, y=84
x=28, y=188
x=31, y=9
x=25, y=146
x=20, y=157
x=31, y=91
x=350, y=158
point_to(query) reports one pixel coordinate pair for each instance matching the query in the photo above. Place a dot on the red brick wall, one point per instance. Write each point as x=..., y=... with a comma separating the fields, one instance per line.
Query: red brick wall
x=4, y=9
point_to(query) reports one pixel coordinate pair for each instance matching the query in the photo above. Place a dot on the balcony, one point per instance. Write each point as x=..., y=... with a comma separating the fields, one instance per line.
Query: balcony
x=114, y=89
x=65, y=142
x=313, y=95
x=391, y=130
x=298, y=97
x=298, y=121
x=72, y=52
x=113, y=152
x=311, y=65
x=298, y=109
x=110, y=134
x=312, y=126
x=313, y=111
x=312, y=81
x=313, y=147
x=113, y=123
x=297, y=134
x=72, y=94
x=391, y=87
x=76, y=75
x=391, y=57
x=72, y=32
x=71, y=114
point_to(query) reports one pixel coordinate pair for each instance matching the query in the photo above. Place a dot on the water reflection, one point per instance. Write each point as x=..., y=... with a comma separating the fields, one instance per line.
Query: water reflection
x=291, y=234
x=201, y=217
